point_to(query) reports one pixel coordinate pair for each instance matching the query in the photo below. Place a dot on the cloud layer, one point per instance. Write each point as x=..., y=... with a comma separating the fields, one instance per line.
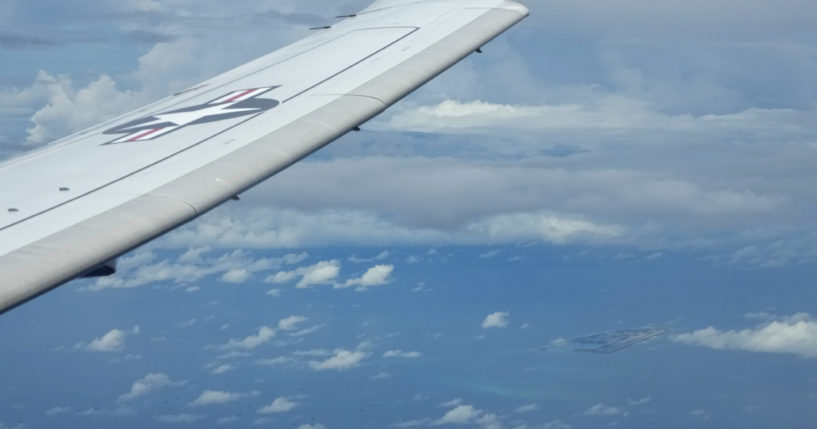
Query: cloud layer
x=596, y=151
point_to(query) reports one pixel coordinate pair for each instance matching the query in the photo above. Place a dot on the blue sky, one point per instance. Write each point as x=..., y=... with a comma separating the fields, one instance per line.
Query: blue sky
x=600, y=167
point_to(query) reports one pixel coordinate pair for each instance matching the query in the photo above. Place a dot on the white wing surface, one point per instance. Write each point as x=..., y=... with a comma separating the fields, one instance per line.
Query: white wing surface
x=68, y=208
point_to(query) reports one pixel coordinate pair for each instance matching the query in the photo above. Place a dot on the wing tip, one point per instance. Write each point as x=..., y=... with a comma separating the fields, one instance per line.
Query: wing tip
x=515, y=6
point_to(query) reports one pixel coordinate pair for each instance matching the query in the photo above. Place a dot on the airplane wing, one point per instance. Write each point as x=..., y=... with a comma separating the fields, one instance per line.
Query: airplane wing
x=72, y=207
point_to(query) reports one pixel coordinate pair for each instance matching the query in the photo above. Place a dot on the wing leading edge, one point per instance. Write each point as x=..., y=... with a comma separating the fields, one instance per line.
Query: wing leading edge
x=145, y=173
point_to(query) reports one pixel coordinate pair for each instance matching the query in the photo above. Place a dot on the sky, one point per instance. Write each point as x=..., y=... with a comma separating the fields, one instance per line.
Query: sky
x=601, y=166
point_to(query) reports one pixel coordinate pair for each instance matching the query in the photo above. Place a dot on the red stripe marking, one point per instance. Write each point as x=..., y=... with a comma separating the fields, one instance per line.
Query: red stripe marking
x=145, y=134
x=235, y=97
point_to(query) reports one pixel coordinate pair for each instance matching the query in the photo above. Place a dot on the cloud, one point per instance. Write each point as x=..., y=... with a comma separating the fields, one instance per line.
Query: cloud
x=113, y=341
x=306, y=331
x=603, y=410
x=490, y=421
x=382, y=255
x=496, y=320
x=290, y=323
x=380, y=376
x=323, y=272
x=279, y=405
x=451, y=115
x=250, y=342
x=401, y=354
x=69, y=108
x=313, y=352
x=254, y=229
x=312, y=426
x=179, y=418
x=54, y=411
x=642, y=401
x=374, y=276
x=701, y=414
x=491, y=254
x=210, y=397
x=266, y=333
x=187, y=323
x=278, y=361
x=796, y=334
x=452, y=403
x=147, y=384
x=341, y=360
x=227, y=420
x=235, y=266
x=526, y=408
x=518, y=227
x=462, y=414
x=236, y=275
x=758, y=20
x=592, y=198
x=221, y=369
x=609, y=113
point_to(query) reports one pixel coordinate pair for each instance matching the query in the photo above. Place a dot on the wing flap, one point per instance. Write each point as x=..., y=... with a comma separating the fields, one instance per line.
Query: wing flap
x=47, y=263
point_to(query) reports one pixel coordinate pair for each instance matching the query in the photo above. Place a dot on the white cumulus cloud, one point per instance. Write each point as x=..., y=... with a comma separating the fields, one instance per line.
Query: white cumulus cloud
x=526, y=408
x=147, y=384
x=221, y=369
x=179, y=418
x=113, y=341
x=452, y=403
x=374, y=276
x=641, y=401
x=236, y=275
x=290, y=323
x=209, y=397
x=341, y=360
x=279, y=405
x=496, y=320
x=796, y=334
x=324, y=272
x=250, y=342
x=401, y=354
x=603, y=410
x=462, y=414
x=235, y=266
